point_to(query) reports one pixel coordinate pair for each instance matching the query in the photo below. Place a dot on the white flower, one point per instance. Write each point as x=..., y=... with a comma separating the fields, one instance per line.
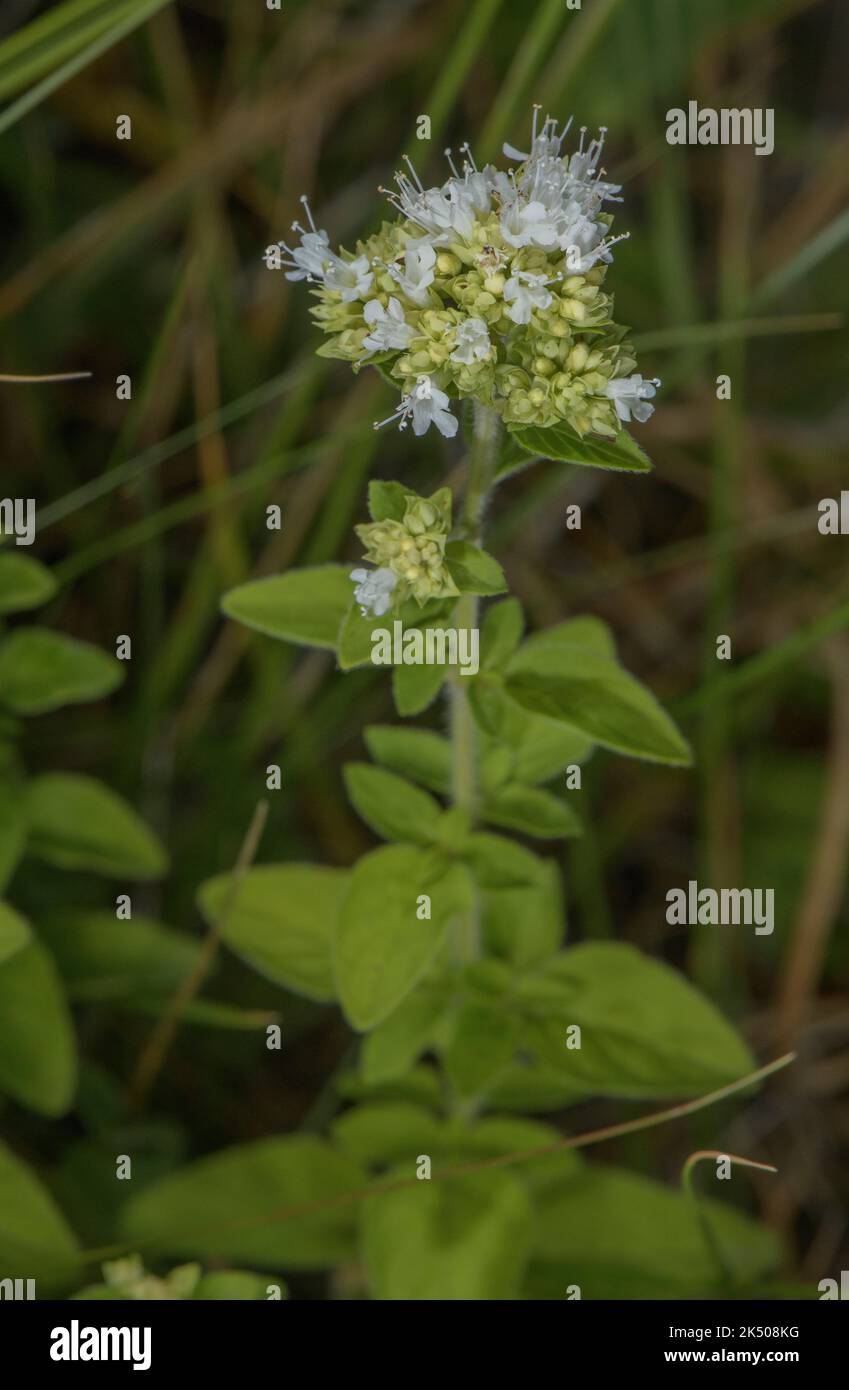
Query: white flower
x=449, y=212
x=314, y=260
x=473, y=343
x=546, y=144
x=308, y=260
x=631, y=396
x=427, y=406
x=585, y=238
x=373, y=590
x=525, y=292
x=419, y=271
x=389, y=329
x=583, y=170
x=529, y=224
x=351, y=278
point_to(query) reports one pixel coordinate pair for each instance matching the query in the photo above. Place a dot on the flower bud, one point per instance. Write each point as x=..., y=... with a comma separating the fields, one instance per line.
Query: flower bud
x=578, y=357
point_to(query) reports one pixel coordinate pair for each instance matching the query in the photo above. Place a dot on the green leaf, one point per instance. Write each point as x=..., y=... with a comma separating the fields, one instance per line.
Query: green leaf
x=502, y=632
x=594, y=696
x=14, y=932
x=382, y=948
x=38, y=1053
x=417, y=753
x=387, y=501
x=421, y=1086
x=473, y=570
x=526, y=924
x=303, y=606
x=14, y=827
x=357, y=634
x=532, y=812
x=532, y=1087
x=575, y=632
x=101, y=958
x=231, y=1205
x=562, y=443
x=378, y=1135
x=464, y=1239
x=393, y=807
x=42, y=670
x=500, y=863
x=416, y=687
x=78, y=823
x=24, y=582
x=282, y=922
x=604, y=1219
x=394, y=1046
x=482, y=1044
x=543, y=748
x=645, y=1032
x=505, y=1134
x=34, y=1236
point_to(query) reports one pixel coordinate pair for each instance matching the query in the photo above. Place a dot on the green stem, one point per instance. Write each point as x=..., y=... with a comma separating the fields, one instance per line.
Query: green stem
x=482, y=459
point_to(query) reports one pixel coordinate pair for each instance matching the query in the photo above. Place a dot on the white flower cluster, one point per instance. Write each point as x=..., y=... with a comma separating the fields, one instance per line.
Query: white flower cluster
x=489, y=288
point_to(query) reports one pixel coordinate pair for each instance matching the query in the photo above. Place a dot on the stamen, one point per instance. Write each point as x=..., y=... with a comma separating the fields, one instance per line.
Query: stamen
x=305, y=202
x=449, y=156
x=410, y=166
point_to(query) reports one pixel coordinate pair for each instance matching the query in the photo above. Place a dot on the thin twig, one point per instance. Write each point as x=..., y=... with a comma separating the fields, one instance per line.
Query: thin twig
x=152, y=1058
x=709, y=1234
x=57, y=376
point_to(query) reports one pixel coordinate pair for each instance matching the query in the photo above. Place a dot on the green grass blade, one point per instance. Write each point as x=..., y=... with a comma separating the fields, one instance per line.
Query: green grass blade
x=130, y=16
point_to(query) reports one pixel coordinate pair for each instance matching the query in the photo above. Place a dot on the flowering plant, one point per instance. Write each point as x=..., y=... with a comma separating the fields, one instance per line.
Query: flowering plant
x=443, y=947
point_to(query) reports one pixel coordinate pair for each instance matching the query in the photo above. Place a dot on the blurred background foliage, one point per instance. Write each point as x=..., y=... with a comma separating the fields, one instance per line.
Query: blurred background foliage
x=144, y=257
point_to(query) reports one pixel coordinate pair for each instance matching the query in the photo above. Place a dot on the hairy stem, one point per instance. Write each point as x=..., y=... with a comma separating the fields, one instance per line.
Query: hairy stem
x=482, y=459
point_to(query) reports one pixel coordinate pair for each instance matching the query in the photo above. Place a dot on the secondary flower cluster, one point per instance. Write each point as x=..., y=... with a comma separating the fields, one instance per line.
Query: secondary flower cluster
x=129, y=1277
x=488, y=288
x=409, y=555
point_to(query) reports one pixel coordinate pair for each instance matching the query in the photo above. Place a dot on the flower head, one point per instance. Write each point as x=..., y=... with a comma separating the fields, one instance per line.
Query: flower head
x=410, y=554
x=483, y=287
